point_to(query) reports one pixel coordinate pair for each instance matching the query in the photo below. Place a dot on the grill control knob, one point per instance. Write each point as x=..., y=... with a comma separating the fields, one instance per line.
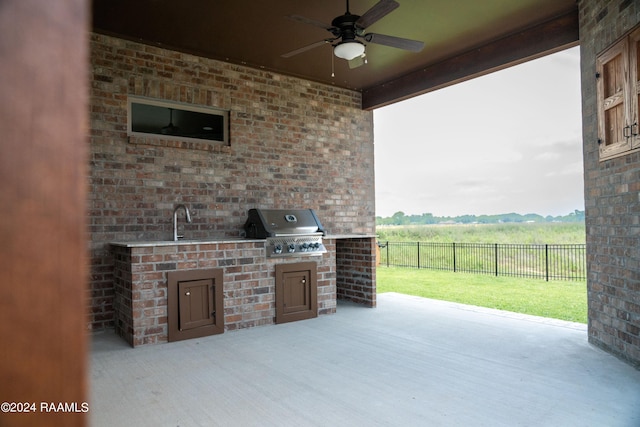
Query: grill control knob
x=292, y=247
x=305, y=246
x=277, y=249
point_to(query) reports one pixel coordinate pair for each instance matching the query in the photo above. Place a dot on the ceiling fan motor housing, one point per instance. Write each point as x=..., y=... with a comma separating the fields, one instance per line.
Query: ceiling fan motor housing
x=345, y=26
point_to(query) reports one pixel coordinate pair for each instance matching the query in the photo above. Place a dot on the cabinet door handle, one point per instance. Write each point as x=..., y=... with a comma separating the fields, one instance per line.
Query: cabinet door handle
x=187, y=293
x=634, y=129
x=626, y=131
x=303, y=281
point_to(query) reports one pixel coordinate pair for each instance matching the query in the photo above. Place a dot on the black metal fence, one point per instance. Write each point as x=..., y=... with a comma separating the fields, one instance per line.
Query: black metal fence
x=551, y=262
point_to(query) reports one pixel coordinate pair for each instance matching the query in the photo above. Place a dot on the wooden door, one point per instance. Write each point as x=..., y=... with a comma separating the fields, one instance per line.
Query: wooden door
x=613, y=100
x=296, y=292
x=634, y=78
x=195, y=306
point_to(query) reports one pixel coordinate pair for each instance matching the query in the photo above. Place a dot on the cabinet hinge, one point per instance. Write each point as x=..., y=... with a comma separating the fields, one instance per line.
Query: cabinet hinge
x=597, y=75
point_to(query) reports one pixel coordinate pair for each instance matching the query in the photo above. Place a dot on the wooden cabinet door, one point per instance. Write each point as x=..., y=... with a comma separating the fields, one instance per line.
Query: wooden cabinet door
x=618, y=96
x=634, y=78
x=296, y=292
x=613, y=97
x=197, y=304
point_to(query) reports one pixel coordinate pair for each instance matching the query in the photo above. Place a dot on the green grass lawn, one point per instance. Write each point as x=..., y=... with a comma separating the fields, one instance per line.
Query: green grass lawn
x=555, y=299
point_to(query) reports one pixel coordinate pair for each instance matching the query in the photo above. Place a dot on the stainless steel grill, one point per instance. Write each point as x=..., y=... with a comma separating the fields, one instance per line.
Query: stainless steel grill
x=288, y=232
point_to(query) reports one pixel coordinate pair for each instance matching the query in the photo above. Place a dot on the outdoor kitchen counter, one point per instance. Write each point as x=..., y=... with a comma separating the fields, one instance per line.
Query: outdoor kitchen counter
x=141, y=268
x=350, y=236
x=153, y=243
x=141, y=278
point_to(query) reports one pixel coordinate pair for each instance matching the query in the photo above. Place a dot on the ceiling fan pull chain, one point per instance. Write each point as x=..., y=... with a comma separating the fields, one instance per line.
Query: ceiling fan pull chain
x=333, y=74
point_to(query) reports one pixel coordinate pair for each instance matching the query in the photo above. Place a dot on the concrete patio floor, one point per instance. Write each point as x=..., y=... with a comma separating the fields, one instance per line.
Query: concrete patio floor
x=409, y=362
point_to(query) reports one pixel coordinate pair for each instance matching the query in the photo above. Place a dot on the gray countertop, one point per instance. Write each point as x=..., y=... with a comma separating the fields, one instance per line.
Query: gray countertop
x=143, y=243
x=152, y=243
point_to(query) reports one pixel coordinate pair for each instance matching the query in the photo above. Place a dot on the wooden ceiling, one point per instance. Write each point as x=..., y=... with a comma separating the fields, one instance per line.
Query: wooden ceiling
x=463, y=38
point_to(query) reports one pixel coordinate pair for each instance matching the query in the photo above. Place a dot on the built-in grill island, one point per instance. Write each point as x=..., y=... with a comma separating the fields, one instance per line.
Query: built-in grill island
x=291, y=233
x=288, y=232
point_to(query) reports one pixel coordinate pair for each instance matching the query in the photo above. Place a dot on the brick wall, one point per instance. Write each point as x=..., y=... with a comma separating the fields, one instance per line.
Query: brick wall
x=611, y=198
x=294, y=143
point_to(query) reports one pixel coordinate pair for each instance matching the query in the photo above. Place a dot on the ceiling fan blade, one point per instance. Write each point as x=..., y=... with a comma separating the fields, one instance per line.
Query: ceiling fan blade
x=306, y=48
x=356, y=62
x=377, y=12
x=397, y=42
x=303, y=20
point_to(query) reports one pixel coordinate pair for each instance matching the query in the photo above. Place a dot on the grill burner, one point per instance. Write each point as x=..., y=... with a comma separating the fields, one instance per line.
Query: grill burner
x=288, y=232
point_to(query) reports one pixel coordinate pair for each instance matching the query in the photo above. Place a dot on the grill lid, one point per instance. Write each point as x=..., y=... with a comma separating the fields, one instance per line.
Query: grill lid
x=263, y=223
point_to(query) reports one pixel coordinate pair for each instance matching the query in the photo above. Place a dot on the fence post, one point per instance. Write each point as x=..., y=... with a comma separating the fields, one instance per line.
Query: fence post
x=496, y=257
x=454, y=257
x=418, y=255
x=387, y=248
x=546, y=261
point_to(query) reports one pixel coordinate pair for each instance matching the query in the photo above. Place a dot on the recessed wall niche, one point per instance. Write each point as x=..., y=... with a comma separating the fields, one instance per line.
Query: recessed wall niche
x=171, y=120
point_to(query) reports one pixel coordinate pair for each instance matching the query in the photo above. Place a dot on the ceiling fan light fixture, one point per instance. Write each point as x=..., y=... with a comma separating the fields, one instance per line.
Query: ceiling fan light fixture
x=348, y=50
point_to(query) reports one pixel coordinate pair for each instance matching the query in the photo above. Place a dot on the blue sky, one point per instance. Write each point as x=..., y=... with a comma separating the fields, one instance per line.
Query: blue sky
x=510, y=141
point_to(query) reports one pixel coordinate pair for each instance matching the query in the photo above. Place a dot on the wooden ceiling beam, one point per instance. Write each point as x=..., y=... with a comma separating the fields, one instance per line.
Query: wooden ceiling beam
x=549, y=37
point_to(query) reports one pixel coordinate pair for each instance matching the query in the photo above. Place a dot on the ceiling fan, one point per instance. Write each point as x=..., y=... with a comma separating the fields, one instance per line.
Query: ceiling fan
x=348, y=30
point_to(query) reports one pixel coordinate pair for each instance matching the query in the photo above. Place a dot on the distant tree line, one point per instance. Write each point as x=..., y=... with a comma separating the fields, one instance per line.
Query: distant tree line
x=400, y=218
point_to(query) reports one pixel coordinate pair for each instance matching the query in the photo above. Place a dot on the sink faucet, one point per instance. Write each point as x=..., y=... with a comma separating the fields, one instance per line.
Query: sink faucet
x=175, y=220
